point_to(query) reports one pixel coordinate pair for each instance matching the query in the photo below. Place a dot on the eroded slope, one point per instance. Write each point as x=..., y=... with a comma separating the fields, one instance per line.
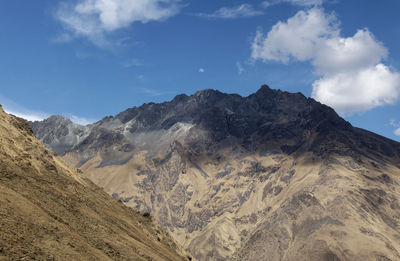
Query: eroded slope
x=271, y=176
x=49, y=211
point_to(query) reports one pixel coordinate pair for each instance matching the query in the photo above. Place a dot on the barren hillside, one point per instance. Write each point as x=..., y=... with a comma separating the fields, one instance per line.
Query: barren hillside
x=49, y=211
x=271, y=176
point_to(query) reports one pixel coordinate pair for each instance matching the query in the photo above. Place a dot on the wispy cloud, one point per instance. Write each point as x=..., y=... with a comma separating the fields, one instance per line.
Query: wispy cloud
x=13, y=108
x=353, y=77
x=240, y=11
x=248, y=10
x=394, y=123
x=28, y=115
x=95, y=19
x=133, y=63
x=267, y=4
x=62, y=38
x=240, y=68
x=78, y=119
x=201, y=70
x=150, y=92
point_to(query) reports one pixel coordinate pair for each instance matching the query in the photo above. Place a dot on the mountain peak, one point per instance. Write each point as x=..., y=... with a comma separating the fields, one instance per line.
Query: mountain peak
x=180, y=97
x=265, y=90
x=264, y=172
x=58, y=119
x=206, y=91
x=264, y=87
x=207, y=94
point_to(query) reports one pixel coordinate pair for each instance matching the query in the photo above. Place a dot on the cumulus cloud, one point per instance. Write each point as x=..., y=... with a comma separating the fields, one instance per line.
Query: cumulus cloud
x=296, y=38
x=201, y=70
x=95, y=18
x=353, y=76
x=397, y=132
x=361, y=90
x=343, y=54
x=240, y=11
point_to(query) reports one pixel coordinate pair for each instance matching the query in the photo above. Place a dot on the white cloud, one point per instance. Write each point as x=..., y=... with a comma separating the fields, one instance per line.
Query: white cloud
x=364, y=89
x=240, y=11
x=343, y=54
x=397, y=132
x=95, y=18
x=353, y=77
x=296, y=38
x=201, y=70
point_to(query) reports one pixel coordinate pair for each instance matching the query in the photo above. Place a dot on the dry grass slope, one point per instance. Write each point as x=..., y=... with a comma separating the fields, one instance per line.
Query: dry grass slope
x=49, y=211
x=273, y=207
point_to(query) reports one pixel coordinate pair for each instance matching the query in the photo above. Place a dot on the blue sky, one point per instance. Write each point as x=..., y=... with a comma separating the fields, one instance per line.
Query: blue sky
x=87, y=59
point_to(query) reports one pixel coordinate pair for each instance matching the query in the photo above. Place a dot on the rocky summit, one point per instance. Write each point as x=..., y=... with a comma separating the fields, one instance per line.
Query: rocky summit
x=271, y=176
x=50, y=211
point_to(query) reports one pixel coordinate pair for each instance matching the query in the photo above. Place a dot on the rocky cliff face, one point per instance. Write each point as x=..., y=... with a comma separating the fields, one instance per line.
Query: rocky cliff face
x=274, y=175
x=50, y=211
x=59, y=133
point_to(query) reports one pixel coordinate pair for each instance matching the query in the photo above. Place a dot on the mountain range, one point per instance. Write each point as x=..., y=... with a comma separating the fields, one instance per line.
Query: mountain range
x=270, y=176
x=50, y=211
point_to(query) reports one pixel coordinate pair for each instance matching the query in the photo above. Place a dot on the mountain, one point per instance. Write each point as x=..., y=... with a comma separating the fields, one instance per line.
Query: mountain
x=271, y=176
x=49, y=211
x=59, y=133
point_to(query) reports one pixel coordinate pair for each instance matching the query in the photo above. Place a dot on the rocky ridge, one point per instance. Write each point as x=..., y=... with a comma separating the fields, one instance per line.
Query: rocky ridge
x=274, y=175
x=50, y=211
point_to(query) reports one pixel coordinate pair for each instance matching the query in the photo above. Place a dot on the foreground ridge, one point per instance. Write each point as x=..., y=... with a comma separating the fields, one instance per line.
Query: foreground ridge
x=50, y=211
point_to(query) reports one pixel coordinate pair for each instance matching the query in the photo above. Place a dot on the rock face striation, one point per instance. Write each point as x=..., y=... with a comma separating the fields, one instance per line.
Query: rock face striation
x=271, y=176
x=50, y=211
